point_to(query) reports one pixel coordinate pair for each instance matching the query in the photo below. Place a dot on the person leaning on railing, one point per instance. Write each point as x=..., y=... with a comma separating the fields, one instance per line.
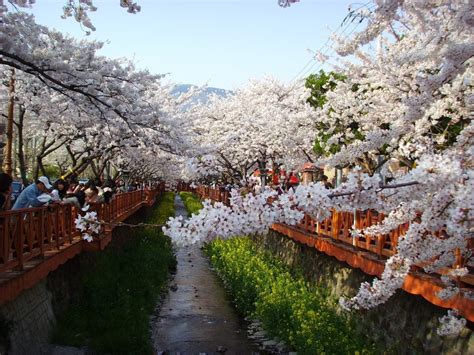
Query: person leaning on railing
x=77, y=199
x=31, y=196
x=5, y=191
x=107, y=194
x=60, y=188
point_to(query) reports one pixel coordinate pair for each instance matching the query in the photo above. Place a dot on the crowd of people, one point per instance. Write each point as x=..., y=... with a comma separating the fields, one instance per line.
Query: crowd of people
x=283, y=181
x=280, y=182
x=80, y=192
x=64, y=191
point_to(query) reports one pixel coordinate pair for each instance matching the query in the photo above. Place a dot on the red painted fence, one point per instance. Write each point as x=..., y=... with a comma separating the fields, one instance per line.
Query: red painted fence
x=35, y=241
x=333, y=237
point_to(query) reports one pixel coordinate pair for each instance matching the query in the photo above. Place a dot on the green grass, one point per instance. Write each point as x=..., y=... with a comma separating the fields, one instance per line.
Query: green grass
x=119, y=292
x=302, y=315
x=165, y=209
x=191, y=202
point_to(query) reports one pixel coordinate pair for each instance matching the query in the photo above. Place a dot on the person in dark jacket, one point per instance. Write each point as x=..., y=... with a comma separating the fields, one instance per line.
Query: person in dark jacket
x=5, y=191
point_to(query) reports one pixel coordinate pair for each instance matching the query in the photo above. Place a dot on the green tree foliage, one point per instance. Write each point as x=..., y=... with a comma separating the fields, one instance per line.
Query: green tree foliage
x=333, y=133
x=346, y=133
x=52, y=171
x=320, y=84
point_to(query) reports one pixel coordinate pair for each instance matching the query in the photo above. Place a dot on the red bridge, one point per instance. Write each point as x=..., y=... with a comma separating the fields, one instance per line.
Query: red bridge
x=36, y=241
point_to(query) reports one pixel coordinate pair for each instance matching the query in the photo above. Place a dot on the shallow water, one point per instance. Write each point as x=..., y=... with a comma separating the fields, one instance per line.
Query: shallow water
x=197, y=316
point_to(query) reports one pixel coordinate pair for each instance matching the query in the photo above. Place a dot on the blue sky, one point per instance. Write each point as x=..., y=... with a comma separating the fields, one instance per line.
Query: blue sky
x=219, y=42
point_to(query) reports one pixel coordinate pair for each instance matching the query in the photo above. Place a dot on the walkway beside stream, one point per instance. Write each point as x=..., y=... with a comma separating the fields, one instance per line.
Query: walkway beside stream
x=197, y=315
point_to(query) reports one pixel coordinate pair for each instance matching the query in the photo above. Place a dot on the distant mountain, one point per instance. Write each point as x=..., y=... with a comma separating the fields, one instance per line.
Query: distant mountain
x=203, y=97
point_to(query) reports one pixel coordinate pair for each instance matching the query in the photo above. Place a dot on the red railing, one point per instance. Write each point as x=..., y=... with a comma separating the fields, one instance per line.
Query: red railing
x=337, y=227
x=32, y=232
x=182, y=186
x=215, y=194
x=333, y=236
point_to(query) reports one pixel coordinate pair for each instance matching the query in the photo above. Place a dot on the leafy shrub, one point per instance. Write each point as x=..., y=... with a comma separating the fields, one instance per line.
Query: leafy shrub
x=304, y=316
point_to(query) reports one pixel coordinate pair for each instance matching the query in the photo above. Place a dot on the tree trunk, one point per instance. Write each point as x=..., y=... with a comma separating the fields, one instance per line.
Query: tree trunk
x=7, y=163
x=95, y=170
x=39, y=160
x=39, y=167
x=20, y=152
x=78, y=169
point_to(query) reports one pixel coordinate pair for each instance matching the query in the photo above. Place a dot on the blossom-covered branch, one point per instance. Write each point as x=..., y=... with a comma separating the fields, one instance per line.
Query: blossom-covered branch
x=78, y=9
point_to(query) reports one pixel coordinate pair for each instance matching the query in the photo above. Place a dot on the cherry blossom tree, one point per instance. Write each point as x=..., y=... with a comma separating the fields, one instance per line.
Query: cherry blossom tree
x=413, y=100
x=286, y=3
x=63, y=129
x=87, y=107
x=266, y=123
x=106, y=88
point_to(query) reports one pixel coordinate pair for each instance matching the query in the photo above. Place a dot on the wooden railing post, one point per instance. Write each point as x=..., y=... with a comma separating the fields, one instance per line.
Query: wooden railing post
x=56, y=227
x=5, y=242
x=40, y=231
x=19, y=241
x=30, y=231
x=336, y=218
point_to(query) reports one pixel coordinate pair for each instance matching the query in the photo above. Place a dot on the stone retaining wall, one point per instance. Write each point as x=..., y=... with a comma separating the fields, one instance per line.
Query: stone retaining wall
x=27, y=321
x=30, y=317
x=406, y=324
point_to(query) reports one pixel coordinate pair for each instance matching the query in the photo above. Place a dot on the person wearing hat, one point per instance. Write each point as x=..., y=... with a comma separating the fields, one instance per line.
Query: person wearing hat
x=34, y=195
